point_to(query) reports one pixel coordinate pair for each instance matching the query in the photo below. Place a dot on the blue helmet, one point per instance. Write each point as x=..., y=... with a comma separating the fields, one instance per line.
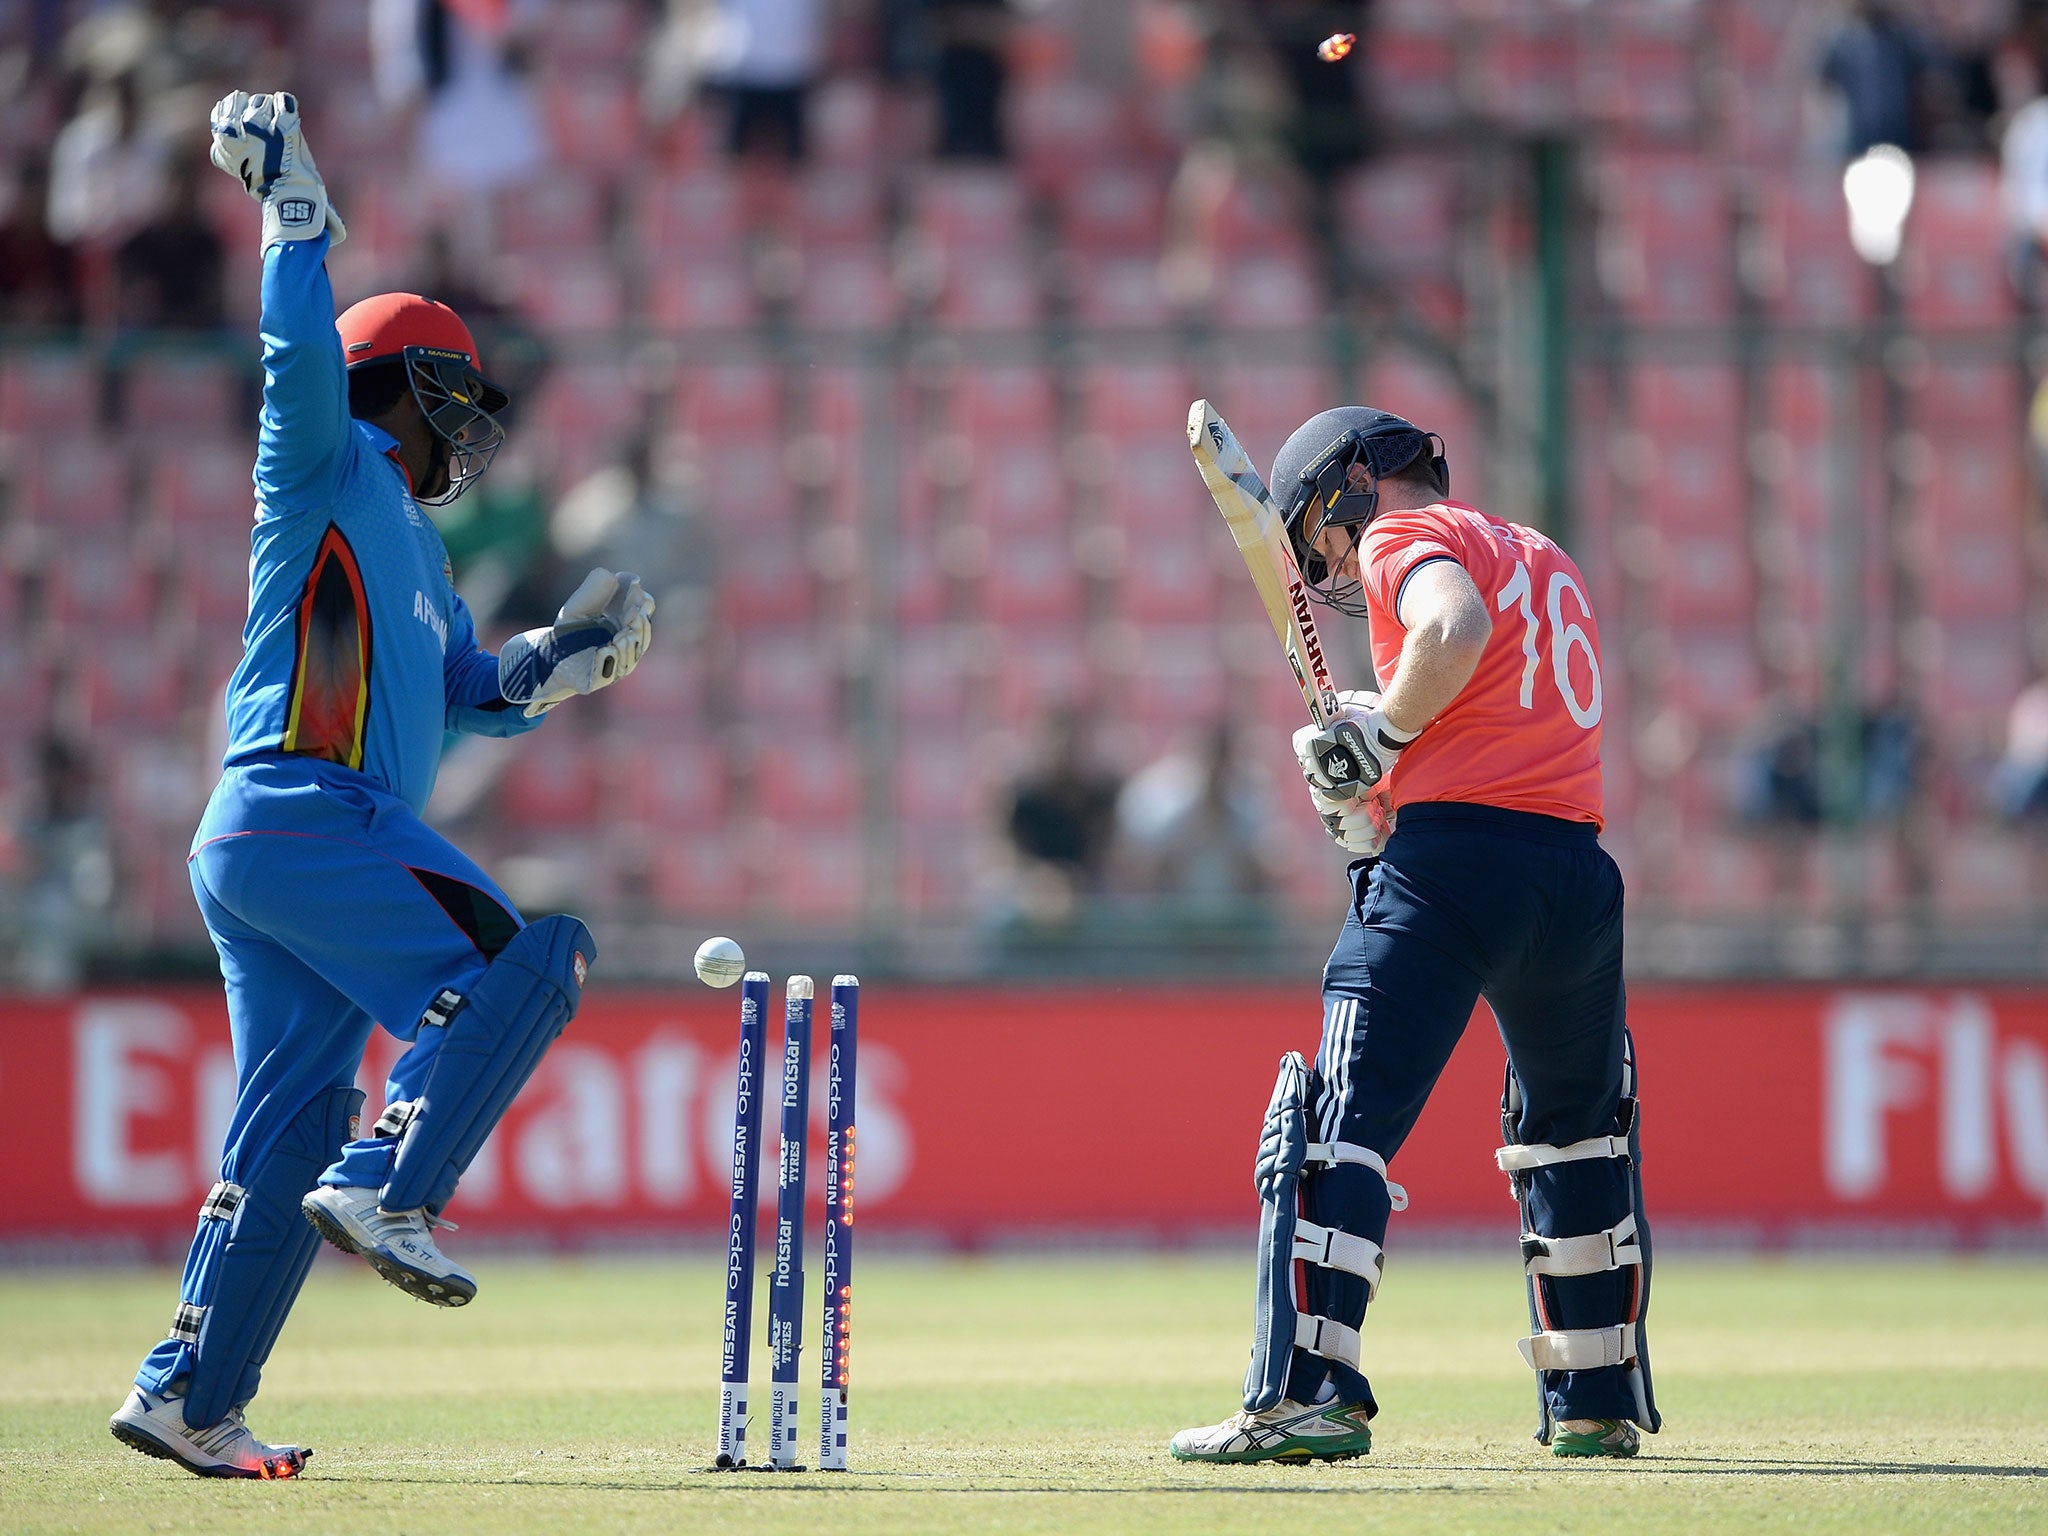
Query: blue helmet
x=1329, y=472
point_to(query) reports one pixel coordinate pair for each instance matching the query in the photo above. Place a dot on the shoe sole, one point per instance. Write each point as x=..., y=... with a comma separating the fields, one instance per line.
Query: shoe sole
x=1299, y=1457
x=434, y=1290
x=137, y=1439
x=1602, y=1453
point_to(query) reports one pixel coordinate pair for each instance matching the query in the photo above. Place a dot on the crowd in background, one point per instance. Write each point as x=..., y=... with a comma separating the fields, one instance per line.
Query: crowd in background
x=673, y=227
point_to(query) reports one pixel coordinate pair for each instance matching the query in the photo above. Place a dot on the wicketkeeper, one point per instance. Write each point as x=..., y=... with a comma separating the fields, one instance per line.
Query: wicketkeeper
x=332, y=905
x=1471, y=792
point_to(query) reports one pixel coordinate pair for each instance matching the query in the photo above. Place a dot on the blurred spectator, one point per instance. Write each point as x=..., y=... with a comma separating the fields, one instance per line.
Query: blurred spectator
x=968, y=69
x=39, y=282
x=1778, y=771
x=169, y=274
x=2019, y=784
x=1061, y=822
x=2023, y=189
x=107, y=167
x=464, y=64
x=70, y=867
x=635, y=514
x=764, y=56
x=1883, y=69
x=1193, y=826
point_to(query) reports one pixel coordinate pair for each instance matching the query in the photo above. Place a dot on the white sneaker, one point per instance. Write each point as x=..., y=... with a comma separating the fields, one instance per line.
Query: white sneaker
x=1288, y=1431
x=399, y=1245
x=156, y=1426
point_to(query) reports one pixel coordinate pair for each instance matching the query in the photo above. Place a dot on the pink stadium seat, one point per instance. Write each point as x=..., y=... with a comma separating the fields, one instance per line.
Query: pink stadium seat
x=1172, y=580
x=1016, y=485
x=98, y=584
x=554, y=213
x=180, y=391
x=668, y=689
x=1400, y=213
x=1428, y=394
x=1147, y=401
x=1413, y=66
x=1977, y=478
x=1003, y=400
x=1032, y=578
x=840, y=206
x=569, y=291
x=1951, y=268
x=939, y=779
x=934, y=673
x=213, y=575
x=591, y=36
x=785, y=677
x=1968, y=398
x=1259, y=215
x=1712, y=674
x=816, y=782
x=1064, y=122
x=700, y=212
x=551, y=783
x=1114, y=207
x=936, y=869
x=1696, y=481
x=700, y=875
x=817, y=874
x=1266, y=401
x=709, y=293
x=1525, y=72
x=68, y=483
x=1980, y=872
x=205, y=483
x=1119, y=292
x=848, y=290
x=1699, y=399
x=1797, y=258
x=46, y=389
x=1039, y=670
x=960, y=208
x=1269, y=291
x=589, y=115
x=920, y=583
x=991, y=291
x=1974, y=574
x=717, y=401
x=133, y=686
x=1171, y=675
x=846, y=122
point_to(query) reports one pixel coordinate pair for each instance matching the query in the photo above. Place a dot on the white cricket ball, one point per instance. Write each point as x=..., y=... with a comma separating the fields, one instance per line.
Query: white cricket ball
x=720, y=962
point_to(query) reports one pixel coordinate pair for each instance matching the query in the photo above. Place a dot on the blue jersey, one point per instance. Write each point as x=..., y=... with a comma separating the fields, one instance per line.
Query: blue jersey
x=357, y=650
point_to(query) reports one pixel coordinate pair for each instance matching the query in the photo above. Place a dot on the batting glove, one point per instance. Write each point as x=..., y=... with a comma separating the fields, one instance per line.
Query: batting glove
x=257, y=140
x=1360, y=826
x=1353, y=753
x=598, y=637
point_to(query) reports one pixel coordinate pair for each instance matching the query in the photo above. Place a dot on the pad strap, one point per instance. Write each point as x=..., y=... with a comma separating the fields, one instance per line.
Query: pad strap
x=1580, y=1349
x=1327, y=1152
x=1331, y=1340
x=187, y=1321
x=1590, y=1255
x=220, y=1202
x=396, y=1117
x=1520, y=1159
x=1333, y=1249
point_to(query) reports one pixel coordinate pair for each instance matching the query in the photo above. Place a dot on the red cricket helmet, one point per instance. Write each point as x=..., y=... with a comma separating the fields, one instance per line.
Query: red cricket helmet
x=440, y=357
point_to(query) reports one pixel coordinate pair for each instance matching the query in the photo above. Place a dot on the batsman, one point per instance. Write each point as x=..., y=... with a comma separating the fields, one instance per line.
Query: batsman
x=1471, y=792
x=333, y=906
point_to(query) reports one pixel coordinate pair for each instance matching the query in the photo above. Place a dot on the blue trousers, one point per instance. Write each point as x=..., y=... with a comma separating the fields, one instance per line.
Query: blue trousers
x=334, y=909
x=1471, y=901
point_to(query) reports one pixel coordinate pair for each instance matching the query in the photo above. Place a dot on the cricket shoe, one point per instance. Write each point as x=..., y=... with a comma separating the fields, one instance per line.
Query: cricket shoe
x=1595, y=1437
x=1288, y=1431
x=399, y=1245
x=156, y=1427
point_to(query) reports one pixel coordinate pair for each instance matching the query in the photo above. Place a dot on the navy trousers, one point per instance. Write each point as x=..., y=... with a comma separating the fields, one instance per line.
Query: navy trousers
x=1471, y=901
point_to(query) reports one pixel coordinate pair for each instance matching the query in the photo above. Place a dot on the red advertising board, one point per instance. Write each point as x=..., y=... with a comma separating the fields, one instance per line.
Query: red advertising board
x=992, y=1115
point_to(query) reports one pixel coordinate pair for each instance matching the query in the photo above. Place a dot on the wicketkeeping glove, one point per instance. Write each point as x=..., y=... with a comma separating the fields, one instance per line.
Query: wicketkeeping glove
x=598, y=637
x=1354, y=752
x=257, y=140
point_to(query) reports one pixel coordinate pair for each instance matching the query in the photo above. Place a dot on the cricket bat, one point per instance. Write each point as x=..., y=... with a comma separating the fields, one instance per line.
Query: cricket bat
x=1262, y=539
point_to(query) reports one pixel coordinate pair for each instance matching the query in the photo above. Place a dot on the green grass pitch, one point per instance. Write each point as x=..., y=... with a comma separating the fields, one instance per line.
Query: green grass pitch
x=1001, y=1394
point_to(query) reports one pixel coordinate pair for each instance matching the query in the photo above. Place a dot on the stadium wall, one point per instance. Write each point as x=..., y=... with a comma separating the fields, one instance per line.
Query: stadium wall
x=1775, y=1117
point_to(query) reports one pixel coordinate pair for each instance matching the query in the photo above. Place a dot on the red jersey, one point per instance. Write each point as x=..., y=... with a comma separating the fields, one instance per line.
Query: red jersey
x=1524, y=734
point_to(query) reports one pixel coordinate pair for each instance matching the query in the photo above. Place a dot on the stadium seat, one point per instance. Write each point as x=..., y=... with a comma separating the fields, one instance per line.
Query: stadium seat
x=1968, y=397
x=66, y=483
x=788, y=676
x=1172, y=580
x=598, y=37
x=814, y=874
x=1260, y=215
x=1269, y=291
x=1981, y=667
x=181, y=392
x=1711, y=674
x=701, y=875
x=697, y=213
x=1119, y=292
x=589, y=115
x=1952, y=267
x=848, y=290
x=668, y=690
x=1703, y=399
x=552, y=782
x=1032, y=578
x=840, y=207
x=48, y=389
x=991, y=291
x=98, y=585
x=809, y=778
x=711, y=293
x=1143, y=400
x=1264, y=401
x=1399, y=214
x=1412, y=64
x=1704, y=576
x=554, y=213
x=1981, y=872
x=213, y=577
x=995, y=402
x=1114, y=207
x=1975, y=573
x=574, y=292
x=962, y=208
x=1638, y=69
x=718, y=401
x=845, y=121
x=133, y=686
x=205, y=484
x=1063, y=122
x=1038, y=670
x=1523, y=71
x=1797, y=258
x=934, y=673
